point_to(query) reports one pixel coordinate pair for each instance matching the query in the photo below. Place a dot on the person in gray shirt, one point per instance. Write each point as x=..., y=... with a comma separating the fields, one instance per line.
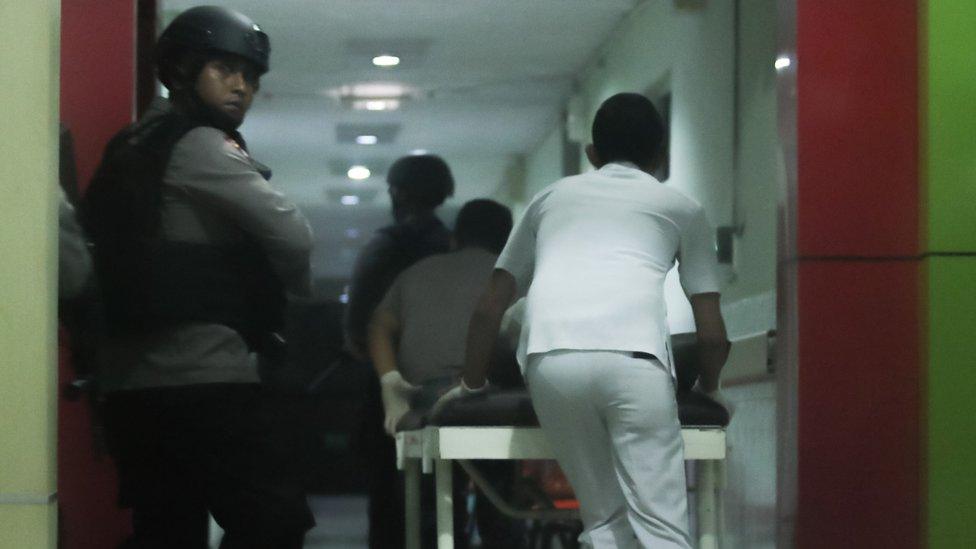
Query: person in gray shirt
x=196, y=257
x=417, y=339
x=417, y=333
x=418, y=185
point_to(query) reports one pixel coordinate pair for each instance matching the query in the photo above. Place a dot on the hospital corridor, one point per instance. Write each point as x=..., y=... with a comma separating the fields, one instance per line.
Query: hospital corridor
x=496, y=274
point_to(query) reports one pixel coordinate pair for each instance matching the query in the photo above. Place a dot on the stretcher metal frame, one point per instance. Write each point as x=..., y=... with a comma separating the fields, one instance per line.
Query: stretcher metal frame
x=432, y=449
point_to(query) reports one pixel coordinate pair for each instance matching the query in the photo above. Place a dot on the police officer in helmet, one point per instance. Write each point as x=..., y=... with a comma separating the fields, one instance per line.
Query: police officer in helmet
x=198, y=54
x=197, y=256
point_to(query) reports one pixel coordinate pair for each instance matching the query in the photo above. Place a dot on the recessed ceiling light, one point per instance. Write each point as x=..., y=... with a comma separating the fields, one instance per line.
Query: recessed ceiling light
x=418, y=152
x=349, y=200
x=375, y=90
x=376, y=104
x=782, y=62
x=358, y=173
x=367, y=139
x=386, y=61
x=373, y=96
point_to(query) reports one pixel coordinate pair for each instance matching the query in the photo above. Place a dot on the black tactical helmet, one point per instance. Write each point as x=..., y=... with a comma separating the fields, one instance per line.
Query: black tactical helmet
x=214, y=29
x=425, y=180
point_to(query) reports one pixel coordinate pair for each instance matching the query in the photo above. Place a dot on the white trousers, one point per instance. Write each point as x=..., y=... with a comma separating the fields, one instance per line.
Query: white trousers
x=612, y=422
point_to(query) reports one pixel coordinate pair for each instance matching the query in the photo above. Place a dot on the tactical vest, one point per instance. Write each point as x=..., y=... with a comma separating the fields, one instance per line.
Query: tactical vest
x=148, y=282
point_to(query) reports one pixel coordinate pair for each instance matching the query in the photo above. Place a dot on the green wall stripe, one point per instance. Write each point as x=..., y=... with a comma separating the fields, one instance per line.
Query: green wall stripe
x=951, y=415
x=950, y=56
x=949, y=64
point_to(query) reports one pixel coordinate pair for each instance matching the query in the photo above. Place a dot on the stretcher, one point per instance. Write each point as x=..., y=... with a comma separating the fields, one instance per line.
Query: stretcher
x=503, y=426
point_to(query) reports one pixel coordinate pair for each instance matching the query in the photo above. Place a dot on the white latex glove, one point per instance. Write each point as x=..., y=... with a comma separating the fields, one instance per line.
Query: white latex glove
x=396, y=393
x=717, y=396
x=460, y=390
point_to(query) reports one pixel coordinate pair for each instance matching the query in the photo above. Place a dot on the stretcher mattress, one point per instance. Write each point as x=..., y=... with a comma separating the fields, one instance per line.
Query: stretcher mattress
x=513, y=407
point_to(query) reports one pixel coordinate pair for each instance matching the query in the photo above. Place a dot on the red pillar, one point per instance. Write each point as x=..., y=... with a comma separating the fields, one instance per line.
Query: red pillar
x=97, y=99
x=858, y=269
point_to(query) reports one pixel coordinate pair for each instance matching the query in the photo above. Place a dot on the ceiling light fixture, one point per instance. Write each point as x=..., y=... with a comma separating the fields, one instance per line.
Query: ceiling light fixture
x=782, y=62
x=358, y=173
x=349, y=200
x=418, y=152
x=376, y=104
x=367, y=139
x=373, y=96
x=386, y=61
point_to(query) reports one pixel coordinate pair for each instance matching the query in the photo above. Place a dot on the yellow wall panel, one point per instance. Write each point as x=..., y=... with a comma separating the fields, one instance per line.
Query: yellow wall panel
x=29, y=41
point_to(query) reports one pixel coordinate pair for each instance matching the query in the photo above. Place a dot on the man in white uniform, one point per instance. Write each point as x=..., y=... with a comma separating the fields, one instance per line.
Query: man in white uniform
x=591, y=255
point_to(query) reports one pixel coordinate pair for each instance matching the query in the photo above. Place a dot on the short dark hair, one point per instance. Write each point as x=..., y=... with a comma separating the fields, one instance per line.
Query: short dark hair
x=628, y=127
x=483, y=223
x=425, y=180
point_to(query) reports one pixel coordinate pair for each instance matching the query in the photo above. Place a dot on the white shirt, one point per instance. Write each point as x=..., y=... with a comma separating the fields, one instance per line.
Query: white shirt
x=591, y=254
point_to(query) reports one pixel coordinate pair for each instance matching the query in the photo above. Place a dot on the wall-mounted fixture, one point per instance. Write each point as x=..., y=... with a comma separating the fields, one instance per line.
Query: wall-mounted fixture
x=725, y=244
x=577, y=124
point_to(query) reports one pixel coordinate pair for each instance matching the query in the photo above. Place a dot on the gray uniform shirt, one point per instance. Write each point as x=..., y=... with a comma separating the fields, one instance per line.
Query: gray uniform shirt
x=212, y=194
x=434, y=300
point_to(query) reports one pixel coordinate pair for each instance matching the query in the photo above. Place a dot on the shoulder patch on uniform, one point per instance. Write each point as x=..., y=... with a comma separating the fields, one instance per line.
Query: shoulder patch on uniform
x=234, y=145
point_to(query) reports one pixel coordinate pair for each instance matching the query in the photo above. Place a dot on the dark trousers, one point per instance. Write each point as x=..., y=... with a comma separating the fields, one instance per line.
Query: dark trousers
x=230, y=449
x=498, y=531
x=377, y=453
x=385, y=485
